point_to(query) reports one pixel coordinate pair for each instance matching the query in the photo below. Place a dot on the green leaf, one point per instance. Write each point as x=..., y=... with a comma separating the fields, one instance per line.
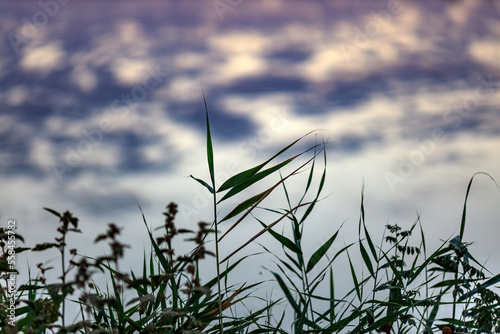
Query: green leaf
x=161, y=257
x=284, y=241
x=320, y=252
x=241, y=177
x=320, y=187
x=363, y=221
x=261, y=232
x=26, y=287
x=255, y=178
x=244, y=205
x=298, y=265
x=342, y=323
x=354, y=277
x=464, y=211
x=203, y=183
x=432, y=316
x=210, y=152
x=332, y=297
x=384, y=286
x=44, y=246
x=366, y=259
x=245, y=175
x=54, y=212
x=288, y=294
x=486, y=284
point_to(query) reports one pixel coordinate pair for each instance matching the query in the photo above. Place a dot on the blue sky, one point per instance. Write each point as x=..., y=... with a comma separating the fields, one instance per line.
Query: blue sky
x=101, y=104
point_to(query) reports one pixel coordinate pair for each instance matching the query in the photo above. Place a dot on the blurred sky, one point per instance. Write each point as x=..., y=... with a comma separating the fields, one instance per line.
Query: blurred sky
x=101, y=105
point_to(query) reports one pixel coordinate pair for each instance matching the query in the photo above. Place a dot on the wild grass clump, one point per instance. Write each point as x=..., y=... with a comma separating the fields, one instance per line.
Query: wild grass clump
x=400, y=286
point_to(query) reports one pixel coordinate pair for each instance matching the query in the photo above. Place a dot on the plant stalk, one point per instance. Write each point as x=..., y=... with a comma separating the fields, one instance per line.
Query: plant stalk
x=63, y=278
x=217, y=262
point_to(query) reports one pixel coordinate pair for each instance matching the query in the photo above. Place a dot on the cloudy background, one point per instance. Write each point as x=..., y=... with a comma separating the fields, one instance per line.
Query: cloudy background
x=101, y=105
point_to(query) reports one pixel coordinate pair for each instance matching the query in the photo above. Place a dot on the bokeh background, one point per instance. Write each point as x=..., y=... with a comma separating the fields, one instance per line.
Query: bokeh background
x=101, y=106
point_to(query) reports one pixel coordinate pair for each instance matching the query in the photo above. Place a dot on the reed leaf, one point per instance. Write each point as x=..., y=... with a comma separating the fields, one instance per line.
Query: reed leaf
x=210, y=151
x=320, y=252
x=245, y=205
x=257, y=177
x=288, y=294
x=284, y=241
x=261, y=232
x=261, y=197
x=203, y=183
x=244, y=176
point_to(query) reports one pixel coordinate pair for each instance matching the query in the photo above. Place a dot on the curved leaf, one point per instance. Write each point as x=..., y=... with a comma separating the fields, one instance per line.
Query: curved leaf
x=210, y=151
x=244, y=205
x=284, y=241
x=255, y=178
x=287, y=293
x=203, y=183
x=320, y=252
x=54, y=212
x=241, y=177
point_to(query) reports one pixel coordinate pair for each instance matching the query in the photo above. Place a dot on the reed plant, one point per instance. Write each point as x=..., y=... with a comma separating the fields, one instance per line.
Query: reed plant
x=399, y=286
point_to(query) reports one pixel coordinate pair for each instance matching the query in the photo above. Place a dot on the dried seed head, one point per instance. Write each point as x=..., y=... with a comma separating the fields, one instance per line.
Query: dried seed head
x=447, y=330
x=386, y=328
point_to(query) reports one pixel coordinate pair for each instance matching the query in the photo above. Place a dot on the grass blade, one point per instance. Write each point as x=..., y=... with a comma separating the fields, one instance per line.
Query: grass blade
x=257, y=177
x=366, y=259
x=247, y=174
x=362, y=221
x=284, y=241
x=332, y=297
x=320, y=186
x=464, y=211
x=245, y=205
x=210, y=151
x=203, y=183
x=266, y=193
x=287, y=293
x=354, y=278
x=320, y=252
x=262, y=232
x=54, y=212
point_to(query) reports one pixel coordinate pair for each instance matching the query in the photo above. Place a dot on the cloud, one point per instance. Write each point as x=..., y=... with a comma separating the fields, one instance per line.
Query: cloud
x=128, y=38
x=181, y=88
x=63, y=127
x=190, y=61
x=84, y=78
x=353, y=48
x=44, y=59
x=41, y=154
x=240, y=42
x=16, y=95
x=6, y=123
x=486, y=51
x=237, y=54
x=237, y=66
x=129, y=31
x=129, y=71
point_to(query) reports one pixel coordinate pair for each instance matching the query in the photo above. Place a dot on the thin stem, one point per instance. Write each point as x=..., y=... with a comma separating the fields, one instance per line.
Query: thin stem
x=304, y=278
x=63, y=278
x=82, y=312
x=217, y=261
x=307, y=289
x=455, y=292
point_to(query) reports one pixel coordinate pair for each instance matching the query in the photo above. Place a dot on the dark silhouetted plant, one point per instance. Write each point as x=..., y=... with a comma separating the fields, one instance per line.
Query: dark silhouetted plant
x=397, y=287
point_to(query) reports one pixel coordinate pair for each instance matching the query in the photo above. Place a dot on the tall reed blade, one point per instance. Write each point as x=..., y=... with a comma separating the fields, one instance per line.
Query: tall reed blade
x=210, y=151
x=464, y=211
x=210, y=159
